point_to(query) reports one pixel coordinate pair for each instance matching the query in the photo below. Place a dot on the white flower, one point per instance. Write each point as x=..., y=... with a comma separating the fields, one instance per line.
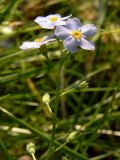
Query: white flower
x=49, y=22
x=37, y=43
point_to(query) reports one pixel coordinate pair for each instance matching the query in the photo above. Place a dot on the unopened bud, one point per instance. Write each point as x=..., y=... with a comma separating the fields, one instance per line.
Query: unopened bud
x=72, y=136
x=46, y=98
x=46, y=106
x=31, y=148
x=83, y=85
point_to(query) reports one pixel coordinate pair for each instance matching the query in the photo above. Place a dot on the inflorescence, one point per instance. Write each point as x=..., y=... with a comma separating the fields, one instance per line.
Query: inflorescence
x=70, y=30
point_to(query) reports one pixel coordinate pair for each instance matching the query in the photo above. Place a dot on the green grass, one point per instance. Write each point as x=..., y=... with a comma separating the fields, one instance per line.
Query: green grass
x=26, y=76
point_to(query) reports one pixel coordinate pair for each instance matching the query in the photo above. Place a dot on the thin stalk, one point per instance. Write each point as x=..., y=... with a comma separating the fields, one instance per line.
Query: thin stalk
x=57, y=97
x=60, y=146
x=62, y=101
x=33, y=156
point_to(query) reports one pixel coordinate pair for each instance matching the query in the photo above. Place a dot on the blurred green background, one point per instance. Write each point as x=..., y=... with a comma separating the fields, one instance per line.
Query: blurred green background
x=26, y=75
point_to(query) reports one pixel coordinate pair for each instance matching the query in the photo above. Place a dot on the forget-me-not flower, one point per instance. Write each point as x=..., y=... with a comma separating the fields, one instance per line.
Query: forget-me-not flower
x=37, y=43
x=51, y=21
x=74, y=35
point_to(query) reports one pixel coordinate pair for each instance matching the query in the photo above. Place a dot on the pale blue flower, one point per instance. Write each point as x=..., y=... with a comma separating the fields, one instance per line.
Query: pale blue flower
x=37, y=43
x=74, y=35
x=51, y=21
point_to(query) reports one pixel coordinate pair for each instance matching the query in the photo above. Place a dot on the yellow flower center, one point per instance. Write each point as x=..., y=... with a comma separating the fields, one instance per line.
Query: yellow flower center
x=39, y=39
x=53, y=19
x=76, y=34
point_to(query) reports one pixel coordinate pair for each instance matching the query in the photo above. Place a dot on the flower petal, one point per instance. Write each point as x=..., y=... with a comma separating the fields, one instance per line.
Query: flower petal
x=64, y=18
x=73, y=24
x=85, y=44
x=71, y=44
x=54, y=15
x=88, y=30
x=58, y=15
x=60, y=23
x=62, y=32
x=44, y=22
x=28, y=45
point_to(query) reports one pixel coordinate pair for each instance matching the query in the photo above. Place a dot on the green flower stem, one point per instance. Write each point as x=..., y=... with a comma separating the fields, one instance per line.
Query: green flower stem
x=57, y=97
x=60, y=146
x=33, y=156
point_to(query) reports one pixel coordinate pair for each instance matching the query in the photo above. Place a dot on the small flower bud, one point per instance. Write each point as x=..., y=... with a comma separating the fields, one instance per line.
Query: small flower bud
x=46, y=98
x=46, y=106
x=83, y=85
x=31, y=148
x=72, y=136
